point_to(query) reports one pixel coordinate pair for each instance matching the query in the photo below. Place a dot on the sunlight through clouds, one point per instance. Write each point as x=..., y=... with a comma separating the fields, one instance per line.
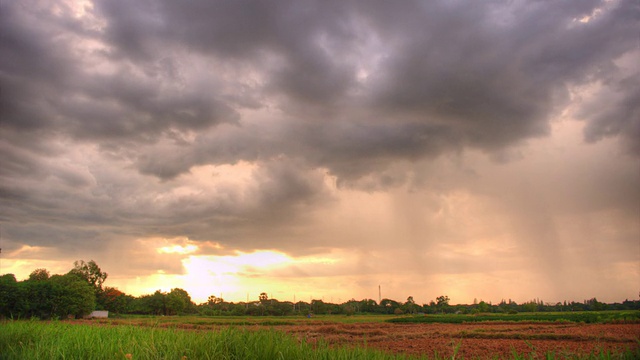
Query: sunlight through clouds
x=177, y=249
x=234, y=276
x=255, y=272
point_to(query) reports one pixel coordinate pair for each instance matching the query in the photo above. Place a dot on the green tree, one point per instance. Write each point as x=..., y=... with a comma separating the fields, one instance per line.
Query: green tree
x=157, y=303
x=389, y=306
x=442, y=300
x=39, y=275
x=56, y=296
x=9, y=296
x=91, y=272
x=279, y=308
x=178, y=301
x=212, y=301
x=410, y=305
x=349, y=310
x=303, y=307
x=368, y=305
x=483, y=307
x=530, y=306
x=596, y=305
x=238, y=309
x=318, y=307
x=442, y=303
x=36, y=299
x=71, y=296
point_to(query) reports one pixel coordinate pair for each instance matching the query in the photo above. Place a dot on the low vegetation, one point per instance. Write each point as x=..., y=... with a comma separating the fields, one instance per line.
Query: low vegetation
x=580, y=316
x=26, y=340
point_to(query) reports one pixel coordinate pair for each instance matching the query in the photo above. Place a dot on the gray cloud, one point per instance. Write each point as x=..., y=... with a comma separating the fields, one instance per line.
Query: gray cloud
x=445, y=77
x=616, y=114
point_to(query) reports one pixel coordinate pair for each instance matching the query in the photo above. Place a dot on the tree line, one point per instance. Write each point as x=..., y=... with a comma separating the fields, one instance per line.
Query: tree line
x=82, y=290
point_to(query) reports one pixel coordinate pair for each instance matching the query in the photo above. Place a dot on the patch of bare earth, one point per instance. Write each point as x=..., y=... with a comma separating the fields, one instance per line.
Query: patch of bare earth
x=482, y=341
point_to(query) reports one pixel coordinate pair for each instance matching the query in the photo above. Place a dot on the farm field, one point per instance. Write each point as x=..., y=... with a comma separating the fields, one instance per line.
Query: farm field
x=321, y=337
x=573, y=316
x=480, y=340
x=479, y=336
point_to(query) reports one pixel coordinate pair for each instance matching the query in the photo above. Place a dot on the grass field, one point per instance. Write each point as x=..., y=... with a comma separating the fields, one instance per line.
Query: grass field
x=191, y=337
x=27, y=340
x=579, y=316
x=267, y=321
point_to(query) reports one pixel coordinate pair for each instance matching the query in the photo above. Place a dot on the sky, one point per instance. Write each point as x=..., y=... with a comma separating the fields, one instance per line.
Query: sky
x=325, y=149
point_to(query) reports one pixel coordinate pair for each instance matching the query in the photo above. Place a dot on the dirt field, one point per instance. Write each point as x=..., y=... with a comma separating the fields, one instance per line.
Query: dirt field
x=486, y=340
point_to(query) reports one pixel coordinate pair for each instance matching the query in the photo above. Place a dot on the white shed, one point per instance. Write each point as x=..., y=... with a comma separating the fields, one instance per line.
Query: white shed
x=98, y=314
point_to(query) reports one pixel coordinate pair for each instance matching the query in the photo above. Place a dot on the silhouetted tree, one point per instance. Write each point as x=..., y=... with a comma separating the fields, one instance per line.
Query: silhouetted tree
x=263, y=298
x=39, y=275
x=91, y=272
x=410, y=305
x=442, y=303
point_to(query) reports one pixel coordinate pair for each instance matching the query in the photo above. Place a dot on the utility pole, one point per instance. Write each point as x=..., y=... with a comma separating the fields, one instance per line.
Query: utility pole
x=379, y=295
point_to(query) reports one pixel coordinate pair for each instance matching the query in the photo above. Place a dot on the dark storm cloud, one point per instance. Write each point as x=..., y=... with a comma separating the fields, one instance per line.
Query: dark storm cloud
x=349, y=149
x=616, y=114
x=150, y=89
x=30, y=68
x=495, y=78
x=57, y=82
x=71, y=203
x=305, y=66
x=486, y=76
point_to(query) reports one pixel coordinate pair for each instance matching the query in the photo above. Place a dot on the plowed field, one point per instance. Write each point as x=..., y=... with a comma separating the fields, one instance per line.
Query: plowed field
x=485, y=340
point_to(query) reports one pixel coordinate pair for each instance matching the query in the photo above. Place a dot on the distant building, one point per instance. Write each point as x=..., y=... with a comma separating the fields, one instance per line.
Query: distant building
x=98, y=314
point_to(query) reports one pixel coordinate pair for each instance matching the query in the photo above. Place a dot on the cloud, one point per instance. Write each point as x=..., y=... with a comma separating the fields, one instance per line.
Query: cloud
x=446, y=77
x=614, y=109
x=303, y=127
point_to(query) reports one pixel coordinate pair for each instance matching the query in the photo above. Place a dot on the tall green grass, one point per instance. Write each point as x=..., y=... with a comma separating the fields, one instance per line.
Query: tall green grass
x=27, y=340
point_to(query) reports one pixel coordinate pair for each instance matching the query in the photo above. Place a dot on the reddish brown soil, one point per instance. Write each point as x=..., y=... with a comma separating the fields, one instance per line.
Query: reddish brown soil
x=486, y=340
